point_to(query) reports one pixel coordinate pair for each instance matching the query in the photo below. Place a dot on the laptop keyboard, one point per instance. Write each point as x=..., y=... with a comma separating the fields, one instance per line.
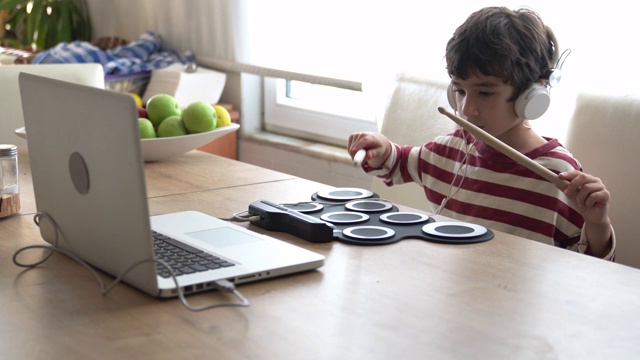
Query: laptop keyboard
x=182, y=258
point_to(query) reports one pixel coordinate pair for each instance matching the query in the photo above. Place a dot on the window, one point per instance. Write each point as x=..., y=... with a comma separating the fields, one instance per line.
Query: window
x=317, y=112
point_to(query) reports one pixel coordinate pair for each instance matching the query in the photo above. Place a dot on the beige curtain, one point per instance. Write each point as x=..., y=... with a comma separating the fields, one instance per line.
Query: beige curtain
x=211, y=29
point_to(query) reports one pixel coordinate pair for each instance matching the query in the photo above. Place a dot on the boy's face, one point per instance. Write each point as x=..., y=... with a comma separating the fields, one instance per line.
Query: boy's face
x=484, y=101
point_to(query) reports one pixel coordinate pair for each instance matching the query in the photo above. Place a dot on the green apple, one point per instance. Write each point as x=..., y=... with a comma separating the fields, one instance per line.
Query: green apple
x=224, y=118
x=172, y=126
x=199, y=117
x=160, y=107
x=146, y=128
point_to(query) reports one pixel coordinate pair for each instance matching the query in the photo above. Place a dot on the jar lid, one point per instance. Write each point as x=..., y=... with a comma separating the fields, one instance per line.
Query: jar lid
x=8, y=150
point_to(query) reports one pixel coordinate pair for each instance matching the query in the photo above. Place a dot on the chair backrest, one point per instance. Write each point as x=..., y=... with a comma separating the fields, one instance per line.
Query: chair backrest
x=90, y=74
x=604, y=135
x=412, y=118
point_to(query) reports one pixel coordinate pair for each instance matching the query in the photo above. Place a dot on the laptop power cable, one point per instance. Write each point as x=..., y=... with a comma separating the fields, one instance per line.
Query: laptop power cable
x=222, y=285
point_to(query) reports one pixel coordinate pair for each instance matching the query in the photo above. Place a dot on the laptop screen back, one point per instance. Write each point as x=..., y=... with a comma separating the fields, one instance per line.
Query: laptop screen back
x=88, y=175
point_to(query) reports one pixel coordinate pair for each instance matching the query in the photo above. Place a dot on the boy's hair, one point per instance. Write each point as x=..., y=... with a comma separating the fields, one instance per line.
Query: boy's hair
x=514, y=45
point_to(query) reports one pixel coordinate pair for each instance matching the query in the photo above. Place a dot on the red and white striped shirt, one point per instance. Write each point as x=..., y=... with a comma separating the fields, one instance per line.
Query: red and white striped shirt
x=494, y=190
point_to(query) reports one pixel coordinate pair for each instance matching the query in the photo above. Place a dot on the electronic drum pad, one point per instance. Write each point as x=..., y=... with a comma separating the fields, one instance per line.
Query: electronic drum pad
x=365, y=219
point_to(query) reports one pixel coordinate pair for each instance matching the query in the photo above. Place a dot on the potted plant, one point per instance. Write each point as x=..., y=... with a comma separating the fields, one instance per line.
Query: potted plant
x=40, y=24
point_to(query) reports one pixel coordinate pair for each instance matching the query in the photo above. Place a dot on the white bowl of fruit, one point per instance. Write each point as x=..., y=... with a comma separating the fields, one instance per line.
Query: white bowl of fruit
x=159, y=148
x=168, y=130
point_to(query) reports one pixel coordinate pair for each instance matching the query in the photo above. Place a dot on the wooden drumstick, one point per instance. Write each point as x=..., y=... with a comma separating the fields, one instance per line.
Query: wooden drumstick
x=359, y=157
x=506, y=149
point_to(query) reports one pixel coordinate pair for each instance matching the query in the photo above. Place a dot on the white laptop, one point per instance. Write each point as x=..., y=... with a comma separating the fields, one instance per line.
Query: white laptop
x=88, y=176
x=11, y=118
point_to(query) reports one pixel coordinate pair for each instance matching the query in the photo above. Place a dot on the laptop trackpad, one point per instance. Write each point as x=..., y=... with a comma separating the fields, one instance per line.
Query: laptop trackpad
x=223, y=237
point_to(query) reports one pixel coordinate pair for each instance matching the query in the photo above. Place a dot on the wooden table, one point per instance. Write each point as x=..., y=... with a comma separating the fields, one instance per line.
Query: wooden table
x=508, y=298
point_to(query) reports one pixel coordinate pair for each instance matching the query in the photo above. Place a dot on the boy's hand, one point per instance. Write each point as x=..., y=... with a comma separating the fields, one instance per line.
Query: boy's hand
x=377, y=146
x=588, y=196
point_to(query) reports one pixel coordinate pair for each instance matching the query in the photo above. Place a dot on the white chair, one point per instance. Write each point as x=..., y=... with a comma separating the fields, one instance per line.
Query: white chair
x=604, y=136
x=412, y=118
x=90, y=74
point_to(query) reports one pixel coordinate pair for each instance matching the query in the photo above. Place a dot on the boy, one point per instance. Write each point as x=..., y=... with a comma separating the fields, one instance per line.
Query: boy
x=492, y=59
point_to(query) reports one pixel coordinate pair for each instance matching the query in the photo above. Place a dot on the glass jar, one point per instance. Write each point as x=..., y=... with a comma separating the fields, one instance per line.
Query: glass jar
x=9, y=187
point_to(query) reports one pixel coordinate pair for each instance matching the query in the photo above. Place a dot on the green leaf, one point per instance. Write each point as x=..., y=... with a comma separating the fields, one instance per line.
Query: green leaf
x=69, y=21
x=64, y=23
x=17, y=23
x=11, y=4
x=80, y=19
x=34, y=23
x=52, y=38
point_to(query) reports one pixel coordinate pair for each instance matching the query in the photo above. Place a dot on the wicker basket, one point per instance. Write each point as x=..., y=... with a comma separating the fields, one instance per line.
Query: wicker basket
x=18, y=56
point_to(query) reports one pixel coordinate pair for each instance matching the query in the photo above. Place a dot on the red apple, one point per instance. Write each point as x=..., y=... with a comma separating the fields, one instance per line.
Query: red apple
x=142, y=112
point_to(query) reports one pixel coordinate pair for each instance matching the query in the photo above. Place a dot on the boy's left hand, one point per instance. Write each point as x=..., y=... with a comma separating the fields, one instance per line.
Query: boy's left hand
x=588, y=195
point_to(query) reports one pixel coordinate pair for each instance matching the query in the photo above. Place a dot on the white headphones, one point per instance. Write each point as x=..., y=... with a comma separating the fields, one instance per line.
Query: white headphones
x=532, y=103
x=535, y=100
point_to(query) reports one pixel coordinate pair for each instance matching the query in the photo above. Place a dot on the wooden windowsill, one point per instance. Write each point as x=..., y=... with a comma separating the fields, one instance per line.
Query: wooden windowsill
x=310, y=148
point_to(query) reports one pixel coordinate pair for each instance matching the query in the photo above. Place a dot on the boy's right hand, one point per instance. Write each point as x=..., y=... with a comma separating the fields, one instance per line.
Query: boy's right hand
x=377, y=146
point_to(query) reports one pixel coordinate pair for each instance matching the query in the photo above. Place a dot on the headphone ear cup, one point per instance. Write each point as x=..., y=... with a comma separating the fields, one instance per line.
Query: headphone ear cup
x=451, y=97
x=533, y=102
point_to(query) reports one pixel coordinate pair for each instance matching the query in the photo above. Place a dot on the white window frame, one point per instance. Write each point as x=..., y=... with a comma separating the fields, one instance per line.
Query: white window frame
x=317, y=122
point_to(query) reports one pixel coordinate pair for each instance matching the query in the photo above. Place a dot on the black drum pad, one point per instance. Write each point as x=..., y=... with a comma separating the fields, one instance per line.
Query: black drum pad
x=364, y=219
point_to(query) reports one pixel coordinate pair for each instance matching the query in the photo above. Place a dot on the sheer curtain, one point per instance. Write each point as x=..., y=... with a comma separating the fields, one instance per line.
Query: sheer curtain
x=370, y=40
x=359, y=38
